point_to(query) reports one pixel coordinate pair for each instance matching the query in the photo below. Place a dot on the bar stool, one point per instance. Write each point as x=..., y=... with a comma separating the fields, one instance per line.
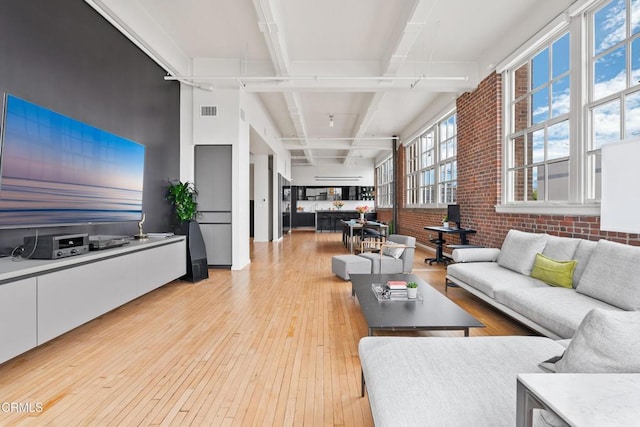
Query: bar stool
x=324, y=222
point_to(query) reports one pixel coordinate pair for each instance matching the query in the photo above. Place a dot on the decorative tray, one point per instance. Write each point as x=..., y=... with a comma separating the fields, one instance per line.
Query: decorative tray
x=382, y=294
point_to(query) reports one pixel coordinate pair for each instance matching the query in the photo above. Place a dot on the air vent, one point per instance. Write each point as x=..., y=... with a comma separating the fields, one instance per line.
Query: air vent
x=208, y=110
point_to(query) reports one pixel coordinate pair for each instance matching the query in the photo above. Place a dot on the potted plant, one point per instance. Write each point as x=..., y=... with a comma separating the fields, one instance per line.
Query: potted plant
x=182, y=196
x=338, y=204
x=445, y=221
x=412, y=290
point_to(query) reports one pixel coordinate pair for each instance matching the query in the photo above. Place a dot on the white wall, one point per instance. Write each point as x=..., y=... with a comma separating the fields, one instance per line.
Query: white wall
x=221, y=129
x=228, y=127
x=240, y=227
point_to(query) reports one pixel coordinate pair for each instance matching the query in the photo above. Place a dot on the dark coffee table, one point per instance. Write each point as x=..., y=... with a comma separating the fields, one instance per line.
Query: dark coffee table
x=433, y=312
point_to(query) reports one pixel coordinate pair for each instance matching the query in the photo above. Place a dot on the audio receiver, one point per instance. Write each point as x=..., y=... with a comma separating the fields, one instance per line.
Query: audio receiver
x=55, y=246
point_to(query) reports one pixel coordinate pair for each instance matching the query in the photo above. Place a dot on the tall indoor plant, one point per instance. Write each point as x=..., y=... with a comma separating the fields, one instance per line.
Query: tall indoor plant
x=182, y=196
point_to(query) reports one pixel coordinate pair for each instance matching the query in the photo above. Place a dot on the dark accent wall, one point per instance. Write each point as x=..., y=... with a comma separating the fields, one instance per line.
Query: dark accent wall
x=66, y=57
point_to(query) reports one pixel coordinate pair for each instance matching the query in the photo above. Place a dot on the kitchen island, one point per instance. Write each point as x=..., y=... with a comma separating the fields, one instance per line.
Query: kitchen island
x=330, y=220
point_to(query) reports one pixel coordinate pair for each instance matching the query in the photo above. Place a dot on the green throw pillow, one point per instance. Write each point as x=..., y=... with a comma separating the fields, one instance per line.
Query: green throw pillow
x=555, y=273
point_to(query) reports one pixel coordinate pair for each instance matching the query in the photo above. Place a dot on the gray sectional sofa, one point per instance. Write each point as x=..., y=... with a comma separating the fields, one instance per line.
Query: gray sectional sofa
x=457, y=381
x=606, y=275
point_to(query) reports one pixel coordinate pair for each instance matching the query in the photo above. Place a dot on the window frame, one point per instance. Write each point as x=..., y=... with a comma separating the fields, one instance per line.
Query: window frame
x=592, y=153
x=574, y=20
x=385, y=184
x=419, y=191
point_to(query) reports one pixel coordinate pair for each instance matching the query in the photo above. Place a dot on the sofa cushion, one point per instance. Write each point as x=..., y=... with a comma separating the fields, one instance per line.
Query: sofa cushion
x=488, y=277
x=392, y=249
x=582, y=255
x=606, y=342
x=475, y=254
x=559, y=310
x=383, y=264
x=519, y=250
x=613, y=275
x=452, y=381
x=561, y=248
x=553, y=272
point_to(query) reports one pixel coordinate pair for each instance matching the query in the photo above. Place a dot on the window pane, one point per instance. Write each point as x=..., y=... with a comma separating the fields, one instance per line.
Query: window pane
x=540, y=67
x=635, y=61
x=518, y=152
x=521, y=115
x=535, y=183
x=635, y=16
x=593, y=168
x=560, y=97
x=558, y=141
x=540, y=106
x=610, y=73
x=606, y=123
x=560, y=52
x=521, y=81
x=632, y=115
x=558, y=177
x=609, y=25
x=536, y=142
x=426, y=178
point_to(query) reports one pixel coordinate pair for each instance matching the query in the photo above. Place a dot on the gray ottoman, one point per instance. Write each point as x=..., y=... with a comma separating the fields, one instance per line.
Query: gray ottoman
x=342, y=265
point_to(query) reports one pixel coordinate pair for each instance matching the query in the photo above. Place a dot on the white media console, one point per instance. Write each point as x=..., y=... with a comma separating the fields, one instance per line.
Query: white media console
x=42, y=299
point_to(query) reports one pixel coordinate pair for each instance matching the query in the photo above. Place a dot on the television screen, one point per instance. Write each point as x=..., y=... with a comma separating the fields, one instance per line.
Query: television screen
x=55, y=170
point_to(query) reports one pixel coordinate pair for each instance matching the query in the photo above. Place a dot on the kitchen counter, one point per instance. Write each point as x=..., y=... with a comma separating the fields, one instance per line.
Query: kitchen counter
x=329, y=220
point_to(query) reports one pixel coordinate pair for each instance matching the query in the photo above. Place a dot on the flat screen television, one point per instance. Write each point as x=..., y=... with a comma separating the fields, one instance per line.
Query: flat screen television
x=453, y=213
x=55, y=170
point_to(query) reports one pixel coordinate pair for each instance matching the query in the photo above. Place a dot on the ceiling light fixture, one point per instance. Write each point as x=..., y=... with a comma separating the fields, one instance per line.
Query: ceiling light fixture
x=331, y=120
x=337, y=178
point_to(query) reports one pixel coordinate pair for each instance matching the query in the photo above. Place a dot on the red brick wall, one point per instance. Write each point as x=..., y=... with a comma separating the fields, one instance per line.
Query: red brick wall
x=479, y=183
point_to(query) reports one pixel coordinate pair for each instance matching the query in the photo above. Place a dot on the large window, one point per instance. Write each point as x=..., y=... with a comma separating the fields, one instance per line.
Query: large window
x=614, y=97
x=432, y=172
x=384, y=184
x=538, y=142
x=577, y=89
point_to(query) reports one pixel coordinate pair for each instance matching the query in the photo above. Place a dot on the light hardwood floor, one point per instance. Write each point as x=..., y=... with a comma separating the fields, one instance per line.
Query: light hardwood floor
x=274, y=344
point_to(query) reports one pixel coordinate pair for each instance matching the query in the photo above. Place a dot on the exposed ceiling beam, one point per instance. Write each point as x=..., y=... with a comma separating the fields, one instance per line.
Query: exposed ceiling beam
x=336, y=145
x=272, y=28
x=415, y=21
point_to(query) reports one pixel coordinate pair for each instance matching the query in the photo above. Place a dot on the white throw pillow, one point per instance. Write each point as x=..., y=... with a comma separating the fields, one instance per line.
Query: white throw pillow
x=519, y=251
x=605, y=342
x=391, y=249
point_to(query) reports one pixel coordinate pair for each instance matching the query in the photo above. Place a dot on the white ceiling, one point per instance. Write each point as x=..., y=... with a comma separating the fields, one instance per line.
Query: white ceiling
x=331, y=54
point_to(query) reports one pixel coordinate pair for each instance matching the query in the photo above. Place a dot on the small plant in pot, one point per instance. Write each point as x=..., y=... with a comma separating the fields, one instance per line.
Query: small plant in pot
x=445, y=222
x=182, y=196
x=412, y=290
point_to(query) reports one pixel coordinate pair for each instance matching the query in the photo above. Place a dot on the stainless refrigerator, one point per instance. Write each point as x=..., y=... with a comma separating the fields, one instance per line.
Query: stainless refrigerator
x=213, y=182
